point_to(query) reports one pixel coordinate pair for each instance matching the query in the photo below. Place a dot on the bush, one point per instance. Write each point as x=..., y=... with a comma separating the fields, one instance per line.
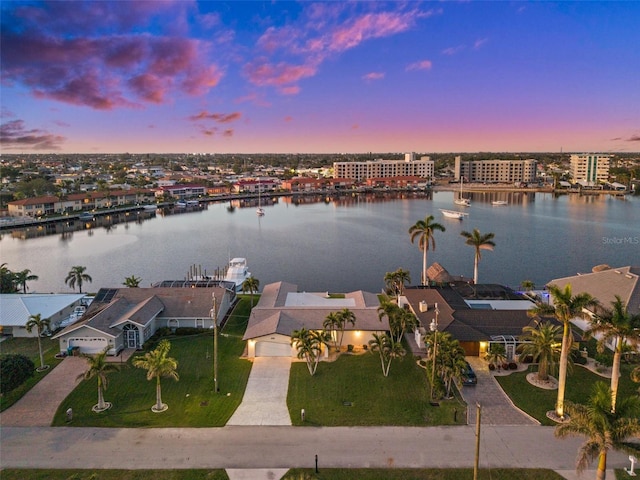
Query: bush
x=526, y=359
x=513, y=366
x=14, y=371
x=604, y=358
x=188, y=330
x=349, y=348
x=492, y=366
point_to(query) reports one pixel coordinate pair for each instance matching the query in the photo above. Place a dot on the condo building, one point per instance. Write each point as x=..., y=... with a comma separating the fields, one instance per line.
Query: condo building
x=496, y=171
x=589, y=167
x=409, y=167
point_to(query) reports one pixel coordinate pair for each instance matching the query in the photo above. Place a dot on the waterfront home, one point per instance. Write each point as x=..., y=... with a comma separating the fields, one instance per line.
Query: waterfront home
x=16, y=308
x=123, y=318
x=282, y=309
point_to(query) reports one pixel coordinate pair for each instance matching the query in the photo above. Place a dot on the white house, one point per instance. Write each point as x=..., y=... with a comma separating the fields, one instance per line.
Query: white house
x=16, y=308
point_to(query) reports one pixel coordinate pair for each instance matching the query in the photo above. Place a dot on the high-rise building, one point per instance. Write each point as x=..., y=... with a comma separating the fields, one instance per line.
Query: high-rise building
x=501, y=171
x=360, y=171
x=590, y=167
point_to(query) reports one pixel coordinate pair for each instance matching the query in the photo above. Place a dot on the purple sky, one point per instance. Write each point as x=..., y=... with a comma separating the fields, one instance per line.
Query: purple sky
x=184, y=76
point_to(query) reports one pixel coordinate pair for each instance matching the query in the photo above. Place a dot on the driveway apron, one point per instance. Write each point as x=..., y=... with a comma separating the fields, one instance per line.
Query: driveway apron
x=265, y=398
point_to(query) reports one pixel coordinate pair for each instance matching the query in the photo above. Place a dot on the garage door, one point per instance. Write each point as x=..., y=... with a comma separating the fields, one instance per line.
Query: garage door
x=89, y=345
x=272, y=349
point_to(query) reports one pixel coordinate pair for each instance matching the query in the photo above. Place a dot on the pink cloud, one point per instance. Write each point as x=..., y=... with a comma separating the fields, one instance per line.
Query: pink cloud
x=480, y=42
x=373, y=76
x=15, y=136
x=288, y=119
x=421, y=65
x=372, y=25
x=281, y=75
x=453, y=50
x=217, y=117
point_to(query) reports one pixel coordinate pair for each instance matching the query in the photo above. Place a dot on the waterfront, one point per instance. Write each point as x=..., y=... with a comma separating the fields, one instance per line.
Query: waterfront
x=346, y=243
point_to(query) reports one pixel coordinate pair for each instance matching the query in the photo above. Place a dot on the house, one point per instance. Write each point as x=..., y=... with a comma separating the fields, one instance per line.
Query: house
x=475, y=315
x=16, y=308
x=282, y=309
x=127, y=317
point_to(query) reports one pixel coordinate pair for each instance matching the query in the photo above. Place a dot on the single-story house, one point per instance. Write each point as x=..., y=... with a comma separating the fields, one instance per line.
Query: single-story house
x=282, y=309
x=475, y=315
x=124, y=318
x=16, y=308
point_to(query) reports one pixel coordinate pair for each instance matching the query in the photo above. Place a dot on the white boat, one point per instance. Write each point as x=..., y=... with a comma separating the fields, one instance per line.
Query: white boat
x=499, y=203
x=181, y=204
x=237, y=272
x=86, y=216
x=453, y=214
x=259, y=210
x=463, y=202
x=150, y=208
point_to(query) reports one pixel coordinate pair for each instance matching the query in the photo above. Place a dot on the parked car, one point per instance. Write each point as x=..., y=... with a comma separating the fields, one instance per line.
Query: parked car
x=469, y=376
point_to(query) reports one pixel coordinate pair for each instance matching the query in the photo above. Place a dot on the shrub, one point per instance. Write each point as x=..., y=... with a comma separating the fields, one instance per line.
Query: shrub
x=526, y=359
x=14, y=371
x=492, y=366
x=188, y=330
x=349, y=348
x=513, y=366
x=604, y=358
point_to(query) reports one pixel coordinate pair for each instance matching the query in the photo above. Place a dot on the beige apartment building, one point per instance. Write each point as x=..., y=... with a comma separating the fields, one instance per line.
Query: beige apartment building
x=496, y=171
x=592, y=168
x=409, y=167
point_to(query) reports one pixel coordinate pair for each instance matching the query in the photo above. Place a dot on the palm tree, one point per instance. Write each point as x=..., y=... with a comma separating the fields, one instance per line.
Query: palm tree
x=565, y=308
x=100, y=368
x=41, y=324
x=309, y=345
x=617, y=326
x=496, y=354
x=478, y=242
x=251, y=285
x=77, y=276
x=423, y=230
x=604, y=429
x=345, y=316
x=395, y=281
x=527, y=285
x=388, y=350
x=544, y=345
x=450, y=360
x=158, y=365
x=332, y=324
x=21, y=279
x=7, y=280
x=132, y=281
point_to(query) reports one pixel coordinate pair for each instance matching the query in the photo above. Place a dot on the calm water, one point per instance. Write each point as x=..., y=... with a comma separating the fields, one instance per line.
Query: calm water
x=347, y=245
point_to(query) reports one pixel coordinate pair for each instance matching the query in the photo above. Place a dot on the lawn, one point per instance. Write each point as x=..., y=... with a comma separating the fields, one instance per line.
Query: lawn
x=29, y=348
x=352, y=391
x=537, y=402
x=191, y=400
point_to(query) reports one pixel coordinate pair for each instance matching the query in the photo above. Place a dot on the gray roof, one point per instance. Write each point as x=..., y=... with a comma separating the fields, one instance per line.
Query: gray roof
x=274, y=314
x=16, y=308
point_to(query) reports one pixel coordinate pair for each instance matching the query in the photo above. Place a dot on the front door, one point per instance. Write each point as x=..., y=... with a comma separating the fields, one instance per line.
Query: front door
x=131, y=338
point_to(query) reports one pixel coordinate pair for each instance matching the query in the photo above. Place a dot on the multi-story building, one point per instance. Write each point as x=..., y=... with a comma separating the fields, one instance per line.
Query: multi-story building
x=590, y=167
x=496, y=171
x=409, y=167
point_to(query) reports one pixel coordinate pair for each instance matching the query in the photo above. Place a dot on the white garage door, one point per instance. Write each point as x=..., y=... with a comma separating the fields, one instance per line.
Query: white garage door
x=272, y=349
x=89, y=345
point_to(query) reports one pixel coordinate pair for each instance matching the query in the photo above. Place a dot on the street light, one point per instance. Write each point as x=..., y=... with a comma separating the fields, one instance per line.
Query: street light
x=214, y=317
x=433, y=326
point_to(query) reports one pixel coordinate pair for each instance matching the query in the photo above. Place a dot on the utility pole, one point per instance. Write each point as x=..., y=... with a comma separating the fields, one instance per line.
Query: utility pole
x=433, y=326
x=477, y=459
x=214, y=317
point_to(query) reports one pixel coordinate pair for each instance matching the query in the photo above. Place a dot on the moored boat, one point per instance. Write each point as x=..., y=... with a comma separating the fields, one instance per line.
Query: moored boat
x=453, y=214
x=237, y=272
x=499, y=203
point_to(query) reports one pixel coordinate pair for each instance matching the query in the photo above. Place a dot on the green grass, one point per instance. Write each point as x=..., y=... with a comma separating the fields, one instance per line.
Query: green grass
x=402, y=398
x=420, y=474
x=191, y=400
x=29, y=348
x=537, y=402
x=51, y=474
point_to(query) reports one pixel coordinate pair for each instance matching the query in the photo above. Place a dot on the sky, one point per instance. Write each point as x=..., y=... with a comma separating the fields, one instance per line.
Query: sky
x=319, y=77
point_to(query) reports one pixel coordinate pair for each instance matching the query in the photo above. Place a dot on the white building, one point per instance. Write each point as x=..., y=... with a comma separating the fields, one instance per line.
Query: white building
x=592, y=168
x=409, y=167
x=17, y=308
x=499, y=171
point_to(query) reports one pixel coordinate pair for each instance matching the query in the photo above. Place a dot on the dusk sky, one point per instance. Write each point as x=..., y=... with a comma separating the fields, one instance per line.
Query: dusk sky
x=305, y=77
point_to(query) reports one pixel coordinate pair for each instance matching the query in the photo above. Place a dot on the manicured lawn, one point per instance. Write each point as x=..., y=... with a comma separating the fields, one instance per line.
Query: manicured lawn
x=420, y=474
x=402, y=398
x=537, y=402
x=29, y=348
x=191, y=400
x=49, y=474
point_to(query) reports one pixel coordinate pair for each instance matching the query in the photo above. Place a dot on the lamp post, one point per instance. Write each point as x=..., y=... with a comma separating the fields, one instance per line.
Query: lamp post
x=214, y=317
x=433, y=326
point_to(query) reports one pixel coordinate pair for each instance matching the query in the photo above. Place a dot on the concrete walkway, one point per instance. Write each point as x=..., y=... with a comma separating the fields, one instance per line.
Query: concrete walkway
x=265, y=398
x=38, y=406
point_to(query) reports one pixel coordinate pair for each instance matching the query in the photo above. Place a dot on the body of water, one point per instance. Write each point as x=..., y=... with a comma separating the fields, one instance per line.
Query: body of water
x=345, y=244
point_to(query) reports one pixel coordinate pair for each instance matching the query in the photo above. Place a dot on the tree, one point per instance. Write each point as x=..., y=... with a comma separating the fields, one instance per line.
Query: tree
x=77, y=276
x=7, y=280
x=543, y=343
x=396, y=281
x=450, y=361
x=478, y=242
x=527, y=285
x=332, y=324
x=565, y=307
x=41, y=325
x=158, y=365
x=618, y=327
x=496, y=354
x=604, y=430
x=400, y=320
x=21, y=279
x=251, y=285
x=423, y=230
x=388, y=349
x=15, y=369
x=132, y=281
x=99, y=368
x=309, y=343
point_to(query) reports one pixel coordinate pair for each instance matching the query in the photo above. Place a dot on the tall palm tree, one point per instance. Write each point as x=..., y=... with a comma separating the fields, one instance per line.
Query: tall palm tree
x=332, y=324
x=251, y=285
x=565, y=307
x=543, y=343
x=7, y=280
x=345, y=316
x=396, y=281
x=40, y=324
x=158, y=365
x=496, y=354
x=99, y=367
x=604, y=429
x=77, y=276
x=132, y=281
x=423, y=230
x=388, y=349
x=309, y=344
x=479, y=242
x=21, y=279
x=450, y=360
x=615, y=325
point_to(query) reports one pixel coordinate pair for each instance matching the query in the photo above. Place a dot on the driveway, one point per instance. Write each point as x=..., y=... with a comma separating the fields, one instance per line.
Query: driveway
x=265, y=398
x=497, y=408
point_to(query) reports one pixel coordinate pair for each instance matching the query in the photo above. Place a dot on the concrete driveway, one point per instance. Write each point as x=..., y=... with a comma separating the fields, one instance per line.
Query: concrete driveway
x=265, y=398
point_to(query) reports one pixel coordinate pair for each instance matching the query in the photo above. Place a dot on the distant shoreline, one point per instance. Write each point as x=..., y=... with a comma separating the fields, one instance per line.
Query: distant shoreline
x=480, y=187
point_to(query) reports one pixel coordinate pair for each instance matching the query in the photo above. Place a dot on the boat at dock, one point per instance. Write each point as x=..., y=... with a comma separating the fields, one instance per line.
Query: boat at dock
x=237, y=272
x=462, y=201
x=499, y=203
x=453, y=214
